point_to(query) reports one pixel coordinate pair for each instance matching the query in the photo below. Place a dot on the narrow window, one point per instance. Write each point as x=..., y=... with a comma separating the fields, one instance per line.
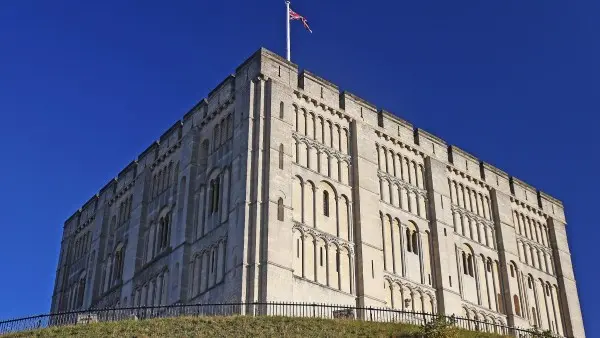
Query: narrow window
x=445, y=234
x=337, y=261
x=529, y=282
x=212, y=197
x=217, y=191
x=489, y=266
x=464, y=261
x=450, y=280
x=281, y=156
x=517, y=306
x=321, y=256
x=326, y=203
x=281, y=109
x=470, y=261
x=298, y=247
x=280, y=209
x=372, y=269
x=408, y=247
x=512, y=271
x=212, y=262
x=415, y=243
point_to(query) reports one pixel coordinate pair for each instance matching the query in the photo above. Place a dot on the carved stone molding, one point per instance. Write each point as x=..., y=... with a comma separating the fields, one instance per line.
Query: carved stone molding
x=413, y=287
x=165, y=155
x=486, y=314
x=524, y=240
x=328, y=238
x=213, y=245
x=326, y=108
x=402, y=183
x=472, y=216
x=322, y=148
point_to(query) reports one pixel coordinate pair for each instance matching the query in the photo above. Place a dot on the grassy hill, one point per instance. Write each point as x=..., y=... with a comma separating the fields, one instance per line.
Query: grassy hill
x=238, y=326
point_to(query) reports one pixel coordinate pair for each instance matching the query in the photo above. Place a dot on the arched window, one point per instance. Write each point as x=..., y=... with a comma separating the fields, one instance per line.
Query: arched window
x=118, y=265
x=529, y=282
x=212, y=261
x=326, y=203
x=408, y=241
x=512, y=271
x=216, y=136
x=281, y=156
x=214, y=195
x=281, y=110
x=80, y=292
x=280, y=209
x=321, y=256
x=415, y=243
x=217, y=194
x=464, y=261
x=517, y=305
x=470, y=265
x=203, y=156
x=164, y=232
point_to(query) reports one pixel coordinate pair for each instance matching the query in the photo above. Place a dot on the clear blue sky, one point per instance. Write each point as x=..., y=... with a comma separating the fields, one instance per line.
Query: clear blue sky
x=86, y=86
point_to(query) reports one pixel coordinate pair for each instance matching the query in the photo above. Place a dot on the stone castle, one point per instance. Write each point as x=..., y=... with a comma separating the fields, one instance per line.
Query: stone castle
x=279, y=187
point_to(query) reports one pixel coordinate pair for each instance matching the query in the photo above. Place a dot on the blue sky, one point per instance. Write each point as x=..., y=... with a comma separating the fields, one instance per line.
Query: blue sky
x=86, y=86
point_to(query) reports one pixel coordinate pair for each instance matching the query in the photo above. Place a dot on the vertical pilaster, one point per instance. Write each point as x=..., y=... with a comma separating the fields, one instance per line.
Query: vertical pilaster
x=368, y=239
x=568, y=295
x=445, y=270
x=508, y=255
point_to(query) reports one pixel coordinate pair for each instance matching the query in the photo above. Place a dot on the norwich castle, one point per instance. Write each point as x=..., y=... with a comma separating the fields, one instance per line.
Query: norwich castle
x=279, y=187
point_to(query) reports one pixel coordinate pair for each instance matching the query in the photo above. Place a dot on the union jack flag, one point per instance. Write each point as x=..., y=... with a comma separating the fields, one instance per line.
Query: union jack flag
x=296, y=16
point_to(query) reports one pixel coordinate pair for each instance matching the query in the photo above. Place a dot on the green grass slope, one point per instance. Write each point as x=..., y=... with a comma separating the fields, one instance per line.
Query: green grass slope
x=239, y=326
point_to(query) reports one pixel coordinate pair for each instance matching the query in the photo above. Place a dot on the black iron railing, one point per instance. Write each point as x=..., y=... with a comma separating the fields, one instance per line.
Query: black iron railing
x=254, y=309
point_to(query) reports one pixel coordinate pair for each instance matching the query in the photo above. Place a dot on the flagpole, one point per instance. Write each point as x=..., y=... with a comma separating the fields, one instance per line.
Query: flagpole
x=287, y=26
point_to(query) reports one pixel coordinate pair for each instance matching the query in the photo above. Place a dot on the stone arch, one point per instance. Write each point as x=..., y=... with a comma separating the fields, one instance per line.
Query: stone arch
x=426, y=245
x=389, y=292
x=298, y=198
x=386, y=228
x=302, y=121
x=321, y=260
x=310, y=244
x=345, y=217
x=327, y=208
x=320, y=129
x=298, y=245
x=296, y=117
x=310, y=204
x=346, y=269
x=329, y=134
x=310, y=124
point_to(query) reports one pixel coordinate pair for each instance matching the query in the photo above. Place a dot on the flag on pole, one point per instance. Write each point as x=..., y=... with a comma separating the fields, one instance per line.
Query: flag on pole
x=296, y=16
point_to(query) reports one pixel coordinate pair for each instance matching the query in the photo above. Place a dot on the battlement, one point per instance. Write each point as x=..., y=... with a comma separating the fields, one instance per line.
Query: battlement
x=272, y=66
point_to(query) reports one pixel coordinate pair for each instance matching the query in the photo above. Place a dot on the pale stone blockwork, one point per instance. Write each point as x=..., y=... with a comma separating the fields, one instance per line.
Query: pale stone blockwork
x=279, y=187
